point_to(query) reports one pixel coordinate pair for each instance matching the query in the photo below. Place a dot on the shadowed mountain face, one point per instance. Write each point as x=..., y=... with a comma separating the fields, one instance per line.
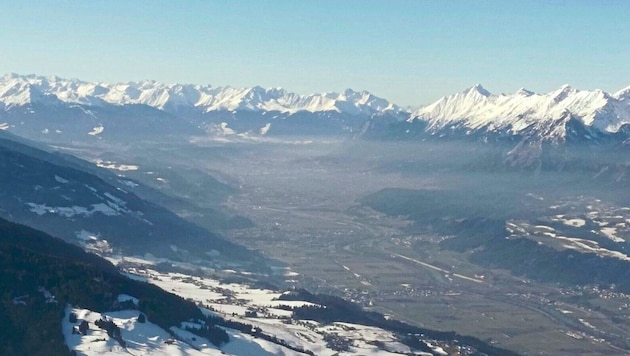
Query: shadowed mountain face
x=49, y=193
x=41, y=275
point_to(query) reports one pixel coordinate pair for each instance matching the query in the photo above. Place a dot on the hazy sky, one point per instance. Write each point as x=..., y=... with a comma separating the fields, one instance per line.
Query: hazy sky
x=411, y=52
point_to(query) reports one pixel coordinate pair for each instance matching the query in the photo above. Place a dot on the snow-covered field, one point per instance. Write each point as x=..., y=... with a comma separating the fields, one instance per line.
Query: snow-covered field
x=258, y=307
x=583, y=218
x=114, y=166
x=140, y=338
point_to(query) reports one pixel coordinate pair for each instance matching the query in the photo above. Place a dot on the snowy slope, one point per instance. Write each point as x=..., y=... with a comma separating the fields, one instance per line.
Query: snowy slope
x=173, y=98
x=141, y=338
x=233, y=301
x=525, y=111
x=35, y=106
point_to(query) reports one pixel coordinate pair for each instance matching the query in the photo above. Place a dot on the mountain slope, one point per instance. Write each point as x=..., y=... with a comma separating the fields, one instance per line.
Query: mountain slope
x=42, y=190
x=49, y=287
x=57, y=110
x=525, y=113
x=41, y=274
x=16, y=90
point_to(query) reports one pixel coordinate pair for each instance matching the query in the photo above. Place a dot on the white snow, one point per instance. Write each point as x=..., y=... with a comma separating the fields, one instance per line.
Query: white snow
x=96, y=131
x=61, y=179
x=114, y=166
x=221, y=129
x=476, y=108
x=589, y=246
x=611, y=233
x=87, y=236
x=575, y=222
x=547, y=235
x=232, y=301
x=243, y=344
x=22, y=90
x=263, y=130
x=70, y=211
x=141, y=338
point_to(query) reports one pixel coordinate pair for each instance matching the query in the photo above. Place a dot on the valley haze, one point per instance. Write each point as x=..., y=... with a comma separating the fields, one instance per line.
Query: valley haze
x=291, y=178
x=505, y=217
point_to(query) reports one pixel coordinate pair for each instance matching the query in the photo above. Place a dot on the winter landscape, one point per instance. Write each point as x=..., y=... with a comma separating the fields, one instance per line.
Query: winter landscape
x=242, y=216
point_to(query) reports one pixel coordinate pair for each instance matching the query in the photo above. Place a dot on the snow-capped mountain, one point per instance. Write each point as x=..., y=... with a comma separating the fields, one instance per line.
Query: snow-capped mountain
x=22, y=90
x=56, y=109
x=525, y=113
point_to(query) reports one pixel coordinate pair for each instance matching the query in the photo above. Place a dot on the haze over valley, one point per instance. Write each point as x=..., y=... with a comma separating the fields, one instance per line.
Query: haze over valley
x=314, y=178
x=513, y=231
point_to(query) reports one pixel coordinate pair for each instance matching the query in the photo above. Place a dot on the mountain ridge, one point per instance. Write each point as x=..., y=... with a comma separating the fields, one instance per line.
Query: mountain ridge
x=18, y=90
x=47, y=191
x=52, y=105
x=476, y=109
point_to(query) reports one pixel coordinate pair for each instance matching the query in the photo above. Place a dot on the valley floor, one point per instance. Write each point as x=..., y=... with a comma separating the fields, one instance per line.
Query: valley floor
x=304, y=203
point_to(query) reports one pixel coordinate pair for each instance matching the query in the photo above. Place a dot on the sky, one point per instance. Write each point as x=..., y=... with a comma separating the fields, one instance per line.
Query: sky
x=410, y=52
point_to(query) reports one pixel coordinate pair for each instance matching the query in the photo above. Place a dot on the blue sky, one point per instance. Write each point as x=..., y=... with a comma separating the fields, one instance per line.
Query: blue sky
x=411, y=52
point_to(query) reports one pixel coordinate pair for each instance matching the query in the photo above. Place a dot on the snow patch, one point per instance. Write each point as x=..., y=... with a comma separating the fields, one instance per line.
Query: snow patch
x=22, y=90
x=575, y=222
x=70, y=211
x=61, y=179
x=263, y=130
x=140, y=338
x=84, y=235
x=114, y=166
x=611, y=233
x=96, y=131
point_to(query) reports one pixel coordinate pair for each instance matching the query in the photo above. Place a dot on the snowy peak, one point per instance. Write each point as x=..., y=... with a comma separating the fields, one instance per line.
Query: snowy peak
x=477, y=109
x=623, y=94
x=562, y=93
x=454, y=106
x=477, y=89
x=21, y=90
x=16, y=93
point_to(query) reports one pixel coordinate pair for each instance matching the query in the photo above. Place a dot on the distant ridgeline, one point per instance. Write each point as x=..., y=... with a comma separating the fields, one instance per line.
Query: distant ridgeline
x=57, y=109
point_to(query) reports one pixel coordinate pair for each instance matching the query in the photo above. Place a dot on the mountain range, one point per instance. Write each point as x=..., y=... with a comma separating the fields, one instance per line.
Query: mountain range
x=116, y=215
x=17, y=90
x=50, y=108
x=547, y=115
